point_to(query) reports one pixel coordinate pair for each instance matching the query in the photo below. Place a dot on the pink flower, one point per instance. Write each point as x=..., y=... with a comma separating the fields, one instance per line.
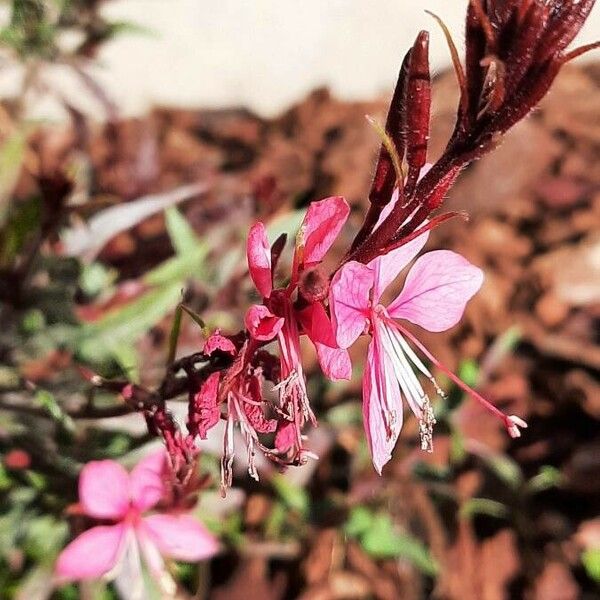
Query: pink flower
x=278, y=316
x=108, y=493
x=434, y=296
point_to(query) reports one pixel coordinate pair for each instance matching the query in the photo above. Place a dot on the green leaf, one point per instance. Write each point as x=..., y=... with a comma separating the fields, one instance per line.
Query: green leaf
x=127, y=358
x=96, y=278
x=275, y=521
x=45, y=538
x=123, y=326
x=504, y=468
x=33, y=321
x=197, y=319
x=359, y=521
x=12, y=154
x=590, y=559
x=458, y=450
x=117, y=28
x=179, y=268
x=46, y=400
x=547, y=477
x=295, y=497
x=183, y=238
x=468, y=371
x=348, y=413
x=22, y=221
x=382, y=541
x=174, y=335
x=483, y=506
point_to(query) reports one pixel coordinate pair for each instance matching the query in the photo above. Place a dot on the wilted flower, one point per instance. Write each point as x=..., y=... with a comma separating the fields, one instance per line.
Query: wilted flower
x=109, y=494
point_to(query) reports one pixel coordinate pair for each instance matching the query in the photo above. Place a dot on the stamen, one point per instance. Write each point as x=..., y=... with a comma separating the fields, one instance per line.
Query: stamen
x=417, y=362
x=511, y=423
x=517, y=422
x=247, y=432
x=292, y=394
x=228, y=455
x=426, y=423
x=409, y=382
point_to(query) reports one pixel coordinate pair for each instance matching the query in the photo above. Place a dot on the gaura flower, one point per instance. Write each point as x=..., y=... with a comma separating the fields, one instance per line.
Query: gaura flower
x=434, y=296
x=110, y=494
x=283, y=317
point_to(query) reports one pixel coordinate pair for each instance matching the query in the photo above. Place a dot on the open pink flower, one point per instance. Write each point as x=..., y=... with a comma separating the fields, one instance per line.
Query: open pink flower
x=108, y=493
x=434, y=296
x=279, y=318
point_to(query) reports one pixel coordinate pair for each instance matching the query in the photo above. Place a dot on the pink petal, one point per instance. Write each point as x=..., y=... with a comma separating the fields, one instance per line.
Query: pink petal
x=104, y=489
x=93, y=554
x=180, y=537
x=382, y=405
x=204, y=412
x=146, y=480
x=259, y=259
x=334, y=361
x=387, y=267
x=216, y=341
x=285, y=438
x=436, y=291
x=349, y=301
x=254, y=410
x=321, y=225
x=262, y=323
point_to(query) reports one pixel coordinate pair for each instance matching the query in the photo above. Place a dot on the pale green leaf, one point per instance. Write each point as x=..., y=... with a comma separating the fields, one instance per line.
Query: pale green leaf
x=12, y=153
x=182, y=236
x=590, y=559
x=483, y=506
x=179, y=268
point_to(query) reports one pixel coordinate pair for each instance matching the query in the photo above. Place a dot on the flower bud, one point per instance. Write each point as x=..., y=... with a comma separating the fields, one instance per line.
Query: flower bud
x=314, y=285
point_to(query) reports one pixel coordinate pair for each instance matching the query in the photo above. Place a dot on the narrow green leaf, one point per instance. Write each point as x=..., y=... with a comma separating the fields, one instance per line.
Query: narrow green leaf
x=504, y=468
x=179, y=268
x=119, y=329
x=46, y=400
x=483, y=506
x=174, y=335
x=197, y=319
x=12, y=154
x=547, y=477
x=182, y=236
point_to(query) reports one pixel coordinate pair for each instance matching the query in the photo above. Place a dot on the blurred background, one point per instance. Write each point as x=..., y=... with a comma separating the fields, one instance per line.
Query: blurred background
x=191, y=120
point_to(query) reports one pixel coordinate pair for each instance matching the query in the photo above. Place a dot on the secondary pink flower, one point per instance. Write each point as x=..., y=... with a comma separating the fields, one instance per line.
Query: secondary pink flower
x=278, y=318
x=321, y=225
x=108, y=493
x=434, y=296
